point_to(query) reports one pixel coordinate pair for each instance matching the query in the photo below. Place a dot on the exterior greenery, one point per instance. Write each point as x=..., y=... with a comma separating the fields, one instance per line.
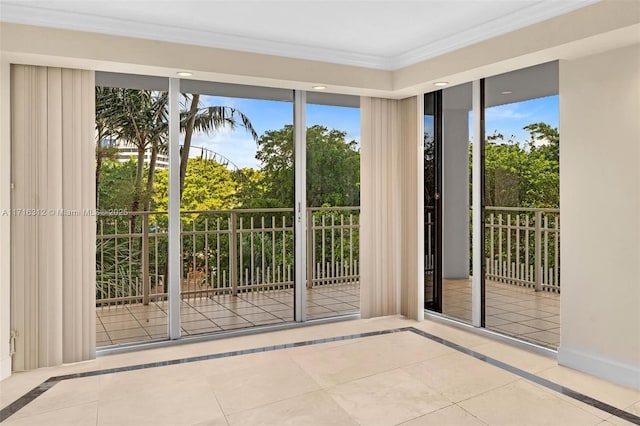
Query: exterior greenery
x=518, y=174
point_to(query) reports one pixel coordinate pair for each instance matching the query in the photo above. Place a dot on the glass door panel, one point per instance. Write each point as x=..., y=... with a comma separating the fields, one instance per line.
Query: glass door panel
x=522, y=213
x=333, y=205
x=236, y=207
x=131, y=246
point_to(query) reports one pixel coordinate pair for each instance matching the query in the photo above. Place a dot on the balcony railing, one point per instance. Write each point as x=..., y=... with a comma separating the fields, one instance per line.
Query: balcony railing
x=235, y=251
x=522, y=247
x=223, y=252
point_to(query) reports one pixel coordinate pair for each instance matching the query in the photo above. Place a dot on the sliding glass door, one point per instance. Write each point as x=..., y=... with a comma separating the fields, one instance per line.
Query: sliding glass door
x=492, y=218
x=212, y=240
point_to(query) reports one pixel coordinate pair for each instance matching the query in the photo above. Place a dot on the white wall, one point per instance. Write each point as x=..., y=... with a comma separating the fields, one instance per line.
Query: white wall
x=600, y=204
x=5, y=224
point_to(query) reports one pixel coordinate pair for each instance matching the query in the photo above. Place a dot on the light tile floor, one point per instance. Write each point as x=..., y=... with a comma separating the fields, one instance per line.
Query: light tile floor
x=392, y=379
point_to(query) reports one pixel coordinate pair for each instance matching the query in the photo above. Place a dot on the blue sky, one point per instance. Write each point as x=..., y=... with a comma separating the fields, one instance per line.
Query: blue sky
x=240, y=149
x=238, y=146
x=509, y=119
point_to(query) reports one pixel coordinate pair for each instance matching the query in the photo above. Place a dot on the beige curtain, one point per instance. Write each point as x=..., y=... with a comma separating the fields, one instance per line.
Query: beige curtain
x=391, y=224
x=52, y=228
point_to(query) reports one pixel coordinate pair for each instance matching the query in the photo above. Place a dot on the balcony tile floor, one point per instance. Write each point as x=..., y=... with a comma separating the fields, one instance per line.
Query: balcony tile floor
x=512, y=310
x=400, y=378
x=137, y=322
x=515, y=311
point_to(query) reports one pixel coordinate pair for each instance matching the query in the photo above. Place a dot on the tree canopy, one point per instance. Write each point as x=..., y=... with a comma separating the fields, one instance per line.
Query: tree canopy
x=333, y=167
x=517, y=174
x=523, y=174
x=333, y=176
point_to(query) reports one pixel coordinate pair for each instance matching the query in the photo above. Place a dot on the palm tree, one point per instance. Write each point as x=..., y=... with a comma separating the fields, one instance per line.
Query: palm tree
x=104, y=130
x=140, y=118
x=206, y=120
x=137, y=117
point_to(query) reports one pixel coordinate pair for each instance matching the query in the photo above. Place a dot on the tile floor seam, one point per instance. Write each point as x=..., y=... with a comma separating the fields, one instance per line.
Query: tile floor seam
x=471, y=414
x=61, y=408
x=532, y=371
x=579, y=404
x=266, y=404
x=425, y=414
x=404, y=421
x=53, y=410
x=516, y=379
x=570, y=400
x=357, y=379
x=353, y=419
x=535, y=379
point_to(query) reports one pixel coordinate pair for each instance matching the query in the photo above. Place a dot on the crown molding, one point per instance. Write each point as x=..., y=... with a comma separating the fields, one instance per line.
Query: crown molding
x=533, y=14
x=24, y=13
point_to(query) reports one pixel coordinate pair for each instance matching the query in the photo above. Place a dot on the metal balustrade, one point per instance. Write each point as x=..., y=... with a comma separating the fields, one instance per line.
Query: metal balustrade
x=522, y=247
x=223, y=252
x=249, y=250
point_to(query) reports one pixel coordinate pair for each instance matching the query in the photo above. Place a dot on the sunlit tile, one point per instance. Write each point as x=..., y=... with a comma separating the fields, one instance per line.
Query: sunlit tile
x=459, y=376
x=452, y=415
x=521, y=402
x=387, y=398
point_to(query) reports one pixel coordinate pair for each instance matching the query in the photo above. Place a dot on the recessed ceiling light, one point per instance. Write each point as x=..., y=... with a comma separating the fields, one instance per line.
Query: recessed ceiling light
x=440, y=83
x=319, y=87
x=185, y=73
x=506, y=92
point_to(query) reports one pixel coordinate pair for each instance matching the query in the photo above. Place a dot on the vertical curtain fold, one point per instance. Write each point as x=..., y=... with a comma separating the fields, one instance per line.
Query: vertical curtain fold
x=53, y=229
x=412, y=220
x=390, y=225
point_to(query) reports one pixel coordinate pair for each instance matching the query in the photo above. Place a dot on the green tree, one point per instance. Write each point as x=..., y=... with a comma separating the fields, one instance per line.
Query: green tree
x=545, y=140
x=333, y=167
x=139, y=117
x=208, y=185
x=252, y=188
x=104, y=130
x=117, y=188
x=523, y=174
x=200, y=119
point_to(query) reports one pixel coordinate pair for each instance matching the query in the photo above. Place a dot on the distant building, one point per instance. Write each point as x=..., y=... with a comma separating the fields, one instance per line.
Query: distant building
x=127, y=151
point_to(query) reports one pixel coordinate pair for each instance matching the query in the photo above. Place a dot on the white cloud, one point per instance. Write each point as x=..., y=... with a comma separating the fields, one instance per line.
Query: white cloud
x=505, y=113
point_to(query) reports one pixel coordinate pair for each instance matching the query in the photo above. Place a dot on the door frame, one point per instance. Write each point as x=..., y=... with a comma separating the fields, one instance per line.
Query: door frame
x=435, y=304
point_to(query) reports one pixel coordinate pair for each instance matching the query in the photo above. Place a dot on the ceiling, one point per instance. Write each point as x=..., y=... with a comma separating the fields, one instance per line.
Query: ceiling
x=527, y=83
x=381, y=34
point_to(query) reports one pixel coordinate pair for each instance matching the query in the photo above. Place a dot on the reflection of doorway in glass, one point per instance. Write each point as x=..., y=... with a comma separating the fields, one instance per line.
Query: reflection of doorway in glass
x=456, y=202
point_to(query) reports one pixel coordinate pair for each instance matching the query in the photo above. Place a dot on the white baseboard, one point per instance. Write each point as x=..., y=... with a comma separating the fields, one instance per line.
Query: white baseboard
x=5, y=368
x=617, y=372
